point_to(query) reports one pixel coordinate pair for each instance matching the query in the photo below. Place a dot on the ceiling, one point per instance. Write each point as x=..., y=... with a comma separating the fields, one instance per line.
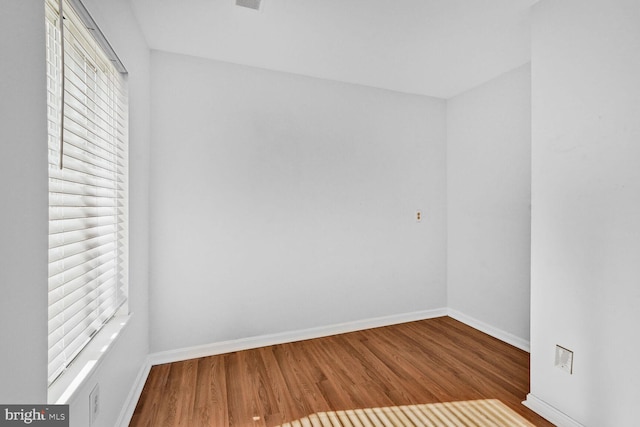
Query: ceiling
x=430, y=47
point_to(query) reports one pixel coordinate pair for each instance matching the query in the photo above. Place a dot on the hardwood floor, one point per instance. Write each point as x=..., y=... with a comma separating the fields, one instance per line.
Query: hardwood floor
x=435, y=360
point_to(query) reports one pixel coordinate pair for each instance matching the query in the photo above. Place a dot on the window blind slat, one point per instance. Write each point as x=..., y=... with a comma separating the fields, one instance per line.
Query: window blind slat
x=63, y=226
x=81, y=327
x=96, y=134
x=94, y=142
x=80, y=178
x=87, y=313
x=59, y=286
x=82, y=307
x=84, y=264
x=81, y=244
x=78, y=172
x=79, y=99
x=77, y=308
x=80, y=241
x=80, y=212
x=62, y=306
x=67, y=263
x=88, y=195
x=74, y=188
x=86, y=324
x=75, y=200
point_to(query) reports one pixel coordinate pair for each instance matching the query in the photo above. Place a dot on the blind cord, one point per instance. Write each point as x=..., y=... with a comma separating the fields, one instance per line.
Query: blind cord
x=61, y=161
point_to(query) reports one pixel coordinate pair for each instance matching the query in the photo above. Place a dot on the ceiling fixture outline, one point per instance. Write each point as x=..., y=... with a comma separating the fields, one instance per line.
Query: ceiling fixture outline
x=250, y=4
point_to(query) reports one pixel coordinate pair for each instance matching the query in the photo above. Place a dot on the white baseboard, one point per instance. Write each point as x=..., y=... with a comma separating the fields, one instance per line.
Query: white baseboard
x=507, y=337
x=134, y=395
x=290, y=336
x=550, y=413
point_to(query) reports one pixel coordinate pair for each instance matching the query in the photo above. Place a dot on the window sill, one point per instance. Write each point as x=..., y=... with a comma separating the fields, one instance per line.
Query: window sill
x=65, y=388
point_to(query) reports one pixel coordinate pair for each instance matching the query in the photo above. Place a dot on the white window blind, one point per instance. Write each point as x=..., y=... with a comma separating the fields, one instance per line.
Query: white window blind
x=87, y=142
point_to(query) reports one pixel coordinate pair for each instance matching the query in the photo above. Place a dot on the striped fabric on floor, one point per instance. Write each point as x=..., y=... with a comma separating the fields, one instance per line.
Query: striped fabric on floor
x=472, y=413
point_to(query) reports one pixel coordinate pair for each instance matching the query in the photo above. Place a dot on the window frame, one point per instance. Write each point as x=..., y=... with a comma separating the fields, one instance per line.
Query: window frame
x=106, y=326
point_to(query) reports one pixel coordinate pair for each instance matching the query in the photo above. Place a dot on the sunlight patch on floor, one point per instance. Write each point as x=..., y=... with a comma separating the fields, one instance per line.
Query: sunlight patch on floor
x=472, y=413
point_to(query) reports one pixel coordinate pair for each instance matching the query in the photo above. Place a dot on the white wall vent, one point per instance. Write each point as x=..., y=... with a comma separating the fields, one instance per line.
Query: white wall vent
x=251, y=4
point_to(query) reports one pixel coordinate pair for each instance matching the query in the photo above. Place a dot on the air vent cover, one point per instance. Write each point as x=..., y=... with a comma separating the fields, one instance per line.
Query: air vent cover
x=251, y=4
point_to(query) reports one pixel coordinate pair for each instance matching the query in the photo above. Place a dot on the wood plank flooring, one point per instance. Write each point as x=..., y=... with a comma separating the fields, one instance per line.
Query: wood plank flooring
x=435, y=360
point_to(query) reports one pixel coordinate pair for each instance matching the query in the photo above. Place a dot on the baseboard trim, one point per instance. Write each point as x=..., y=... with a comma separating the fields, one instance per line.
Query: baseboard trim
x=550, y=413
x=290, y=336
x=134, y=394
x=507, y=337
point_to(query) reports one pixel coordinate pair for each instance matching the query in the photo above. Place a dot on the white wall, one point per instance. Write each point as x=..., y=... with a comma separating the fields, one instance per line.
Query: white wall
x=488, y=196
x=23, y=216
x=282, y=202
x=586, y=208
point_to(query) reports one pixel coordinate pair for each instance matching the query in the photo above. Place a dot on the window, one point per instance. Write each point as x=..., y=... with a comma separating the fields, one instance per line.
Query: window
x=87, y=142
